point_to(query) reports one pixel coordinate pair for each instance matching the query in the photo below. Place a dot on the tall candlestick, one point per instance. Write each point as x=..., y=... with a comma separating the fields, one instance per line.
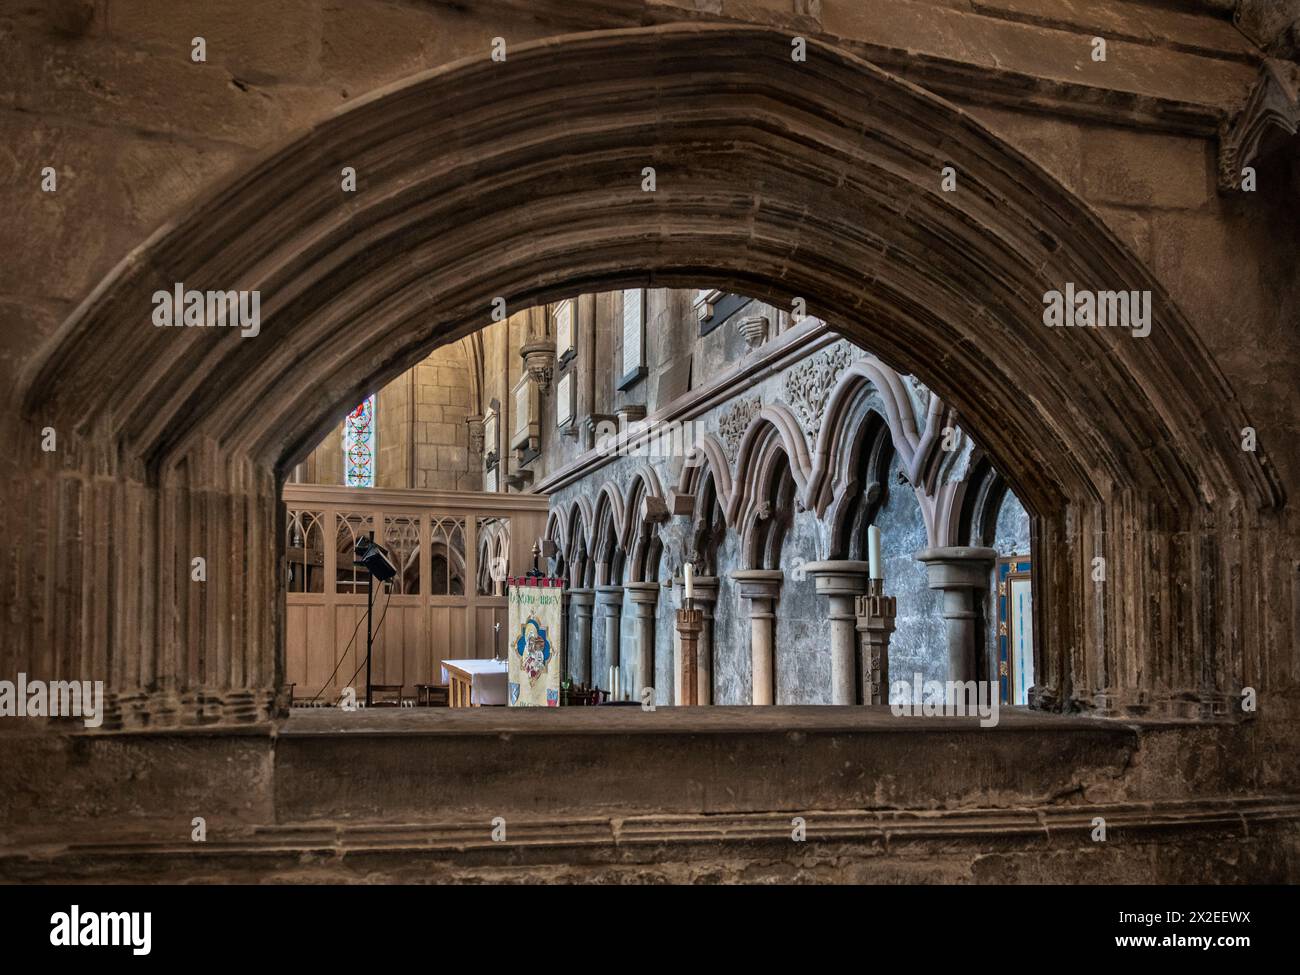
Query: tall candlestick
x=873, y=550
x=688, y=573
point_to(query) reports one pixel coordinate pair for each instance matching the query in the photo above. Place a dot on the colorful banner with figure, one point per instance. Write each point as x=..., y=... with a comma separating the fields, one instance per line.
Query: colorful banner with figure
x=533, y=646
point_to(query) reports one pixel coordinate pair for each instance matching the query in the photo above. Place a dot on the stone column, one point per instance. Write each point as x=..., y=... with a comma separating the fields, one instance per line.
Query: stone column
x=611, y=598
x=962, y=573
x=842, y=581
x=645, y=600
x=761, y=587
x=706, y=595
x=583, y=602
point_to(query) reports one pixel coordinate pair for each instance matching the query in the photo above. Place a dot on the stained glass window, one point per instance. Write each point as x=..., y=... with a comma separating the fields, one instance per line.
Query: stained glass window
x=359, y=445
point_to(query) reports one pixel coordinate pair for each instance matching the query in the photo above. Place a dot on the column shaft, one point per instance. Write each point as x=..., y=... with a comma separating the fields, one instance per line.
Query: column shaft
x=761, y=656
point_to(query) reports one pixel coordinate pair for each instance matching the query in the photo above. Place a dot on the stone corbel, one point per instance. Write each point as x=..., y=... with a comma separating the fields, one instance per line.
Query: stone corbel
x=539, y=360
x=520, y=479
x=681, y=504
x=476, y=433
x=755, y=329
x=629, y=415
x=654, y=511
x=1271, y=114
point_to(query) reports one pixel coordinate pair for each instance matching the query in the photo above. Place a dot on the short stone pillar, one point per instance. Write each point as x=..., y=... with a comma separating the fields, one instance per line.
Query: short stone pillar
x=761, y=587
x=583, y=602
x=961, y=573
x=610, y=598
x=645, y=600
x=842, y=581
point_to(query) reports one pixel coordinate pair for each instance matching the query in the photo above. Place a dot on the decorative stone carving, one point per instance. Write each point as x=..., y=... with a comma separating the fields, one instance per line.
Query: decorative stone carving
x=755, y=330
x=808, y=385
x=539, y=360
x=476, y=434
x=735, y=420
x=1271, y=112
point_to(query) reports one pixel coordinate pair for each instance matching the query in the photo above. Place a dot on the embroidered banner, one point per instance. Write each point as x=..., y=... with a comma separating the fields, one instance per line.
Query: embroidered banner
x=533, y=647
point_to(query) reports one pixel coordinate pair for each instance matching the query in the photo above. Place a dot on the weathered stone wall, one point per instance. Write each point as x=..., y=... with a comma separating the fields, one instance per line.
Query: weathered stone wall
x=421, y=442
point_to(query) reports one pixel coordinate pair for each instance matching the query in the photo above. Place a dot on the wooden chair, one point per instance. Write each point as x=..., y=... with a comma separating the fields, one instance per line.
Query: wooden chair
x=431, y=696
x=392, y=694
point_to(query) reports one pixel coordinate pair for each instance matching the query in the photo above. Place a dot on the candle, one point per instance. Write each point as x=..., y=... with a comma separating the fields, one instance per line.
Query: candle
x=873, y=549
x=688, y=572
x=611, y=683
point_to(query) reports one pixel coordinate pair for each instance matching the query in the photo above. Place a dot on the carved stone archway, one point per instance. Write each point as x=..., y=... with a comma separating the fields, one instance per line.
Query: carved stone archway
x=817, y=179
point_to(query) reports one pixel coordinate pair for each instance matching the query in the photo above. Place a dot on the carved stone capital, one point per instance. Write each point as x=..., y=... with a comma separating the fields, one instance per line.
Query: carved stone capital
x=539, y=360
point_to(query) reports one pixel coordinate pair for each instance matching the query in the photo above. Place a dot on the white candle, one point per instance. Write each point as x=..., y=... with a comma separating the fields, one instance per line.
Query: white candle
x=615, y=683
x=688, y=573
x=873, y=550
x=611, y=683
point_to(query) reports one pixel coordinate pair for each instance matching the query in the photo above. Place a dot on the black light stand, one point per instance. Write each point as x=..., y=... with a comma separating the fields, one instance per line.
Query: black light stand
x=374, y=559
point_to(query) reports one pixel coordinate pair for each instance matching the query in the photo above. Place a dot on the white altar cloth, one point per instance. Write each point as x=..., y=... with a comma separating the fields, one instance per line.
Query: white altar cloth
x=487, y=679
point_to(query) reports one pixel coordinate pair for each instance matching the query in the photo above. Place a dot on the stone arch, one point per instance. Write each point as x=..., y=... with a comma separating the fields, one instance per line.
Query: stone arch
x=607, y=552
x=706, y=480
x=557, y=531
x=794, y=188
x=980, y=504
x=646, y=510
x=774, y=418
x=863, y=460
x=578, y=542
x=771, y=489
x=707, y=457
x=915, y=439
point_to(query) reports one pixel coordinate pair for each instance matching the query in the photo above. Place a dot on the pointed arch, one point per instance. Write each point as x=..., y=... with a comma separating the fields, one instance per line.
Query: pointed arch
x=770, y=494
x=707, y=457
x=607, y=553
x=557, y=532
x=579, y=541
x=496, y=191
x=914, y=438
x=645, y=491
x=786, y=426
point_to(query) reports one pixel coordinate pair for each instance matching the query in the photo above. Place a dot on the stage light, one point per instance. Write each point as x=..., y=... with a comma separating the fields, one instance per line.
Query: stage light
x=374, y=559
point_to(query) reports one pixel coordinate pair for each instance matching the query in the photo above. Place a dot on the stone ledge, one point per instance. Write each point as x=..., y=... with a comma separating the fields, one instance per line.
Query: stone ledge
x=739, y=720
x=845, y=837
